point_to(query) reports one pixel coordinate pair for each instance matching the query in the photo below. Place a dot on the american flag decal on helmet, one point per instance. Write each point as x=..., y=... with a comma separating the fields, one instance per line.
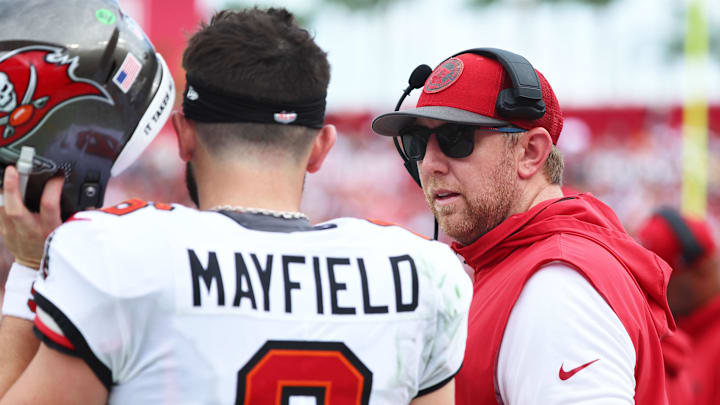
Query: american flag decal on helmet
x=285, y=117
x=128, y=72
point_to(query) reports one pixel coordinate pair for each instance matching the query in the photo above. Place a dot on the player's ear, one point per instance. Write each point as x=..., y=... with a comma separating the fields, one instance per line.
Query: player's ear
x=186, y=135
x=322, y=144
x=535, y=146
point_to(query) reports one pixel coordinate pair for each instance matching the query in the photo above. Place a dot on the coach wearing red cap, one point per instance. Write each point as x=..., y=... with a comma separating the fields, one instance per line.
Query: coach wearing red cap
x=567, y=308
x=688, y=246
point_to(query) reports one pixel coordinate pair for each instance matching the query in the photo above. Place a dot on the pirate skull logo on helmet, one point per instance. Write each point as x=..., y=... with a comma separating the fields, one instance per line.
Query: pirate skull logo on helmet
x=19, y=115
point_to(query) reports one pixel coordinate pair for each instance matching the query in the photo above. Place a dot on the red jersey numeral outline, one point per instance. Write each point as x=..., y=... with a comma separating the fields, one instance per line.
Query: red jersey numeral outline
x=134, y=204
x=329, y=371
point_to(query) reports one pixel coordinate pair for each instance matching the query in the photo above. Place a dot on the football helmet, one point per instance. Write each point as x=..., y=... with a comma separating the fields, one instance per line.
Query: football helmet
x=82, y=93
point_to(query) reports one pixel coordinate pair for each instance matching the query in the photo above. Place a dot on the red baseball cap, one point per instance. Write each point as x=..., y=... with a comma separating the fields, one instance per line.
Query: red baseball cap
x=464, y=90
x=658, y=235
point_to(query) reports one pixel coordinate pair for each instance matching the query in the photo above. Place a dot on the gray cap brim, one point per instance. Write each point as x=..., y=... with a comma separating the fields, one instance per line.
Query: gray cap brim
x=390, y=124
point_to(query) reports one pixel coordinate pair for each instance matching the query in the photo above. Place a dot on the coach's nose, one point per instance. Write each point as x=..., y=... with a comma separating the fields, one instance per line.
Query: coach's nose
x=435, y=163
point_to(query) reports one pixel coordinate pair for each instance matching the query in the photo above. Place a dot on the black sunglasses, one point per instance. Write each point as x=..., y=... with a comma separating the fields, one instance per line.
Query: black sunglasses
x=455, y=140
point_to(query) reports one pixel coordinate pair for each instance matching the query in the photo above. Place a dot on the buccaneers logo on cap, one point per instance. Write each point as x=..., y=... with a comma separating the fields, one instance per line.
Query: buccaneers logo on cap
x=444, y=75
x=36, y=81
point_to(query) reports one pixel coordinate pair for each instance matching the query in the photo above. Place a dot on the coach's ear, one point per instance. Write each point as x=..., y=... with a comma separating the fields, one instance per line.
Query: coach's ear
x=535, y=146
x=322, y=144
x=186, y=135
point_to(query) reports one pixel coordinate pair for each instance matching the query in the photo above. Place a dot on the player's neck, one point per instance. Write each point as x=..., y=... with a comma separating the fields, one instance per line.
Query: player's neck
x=273, y=187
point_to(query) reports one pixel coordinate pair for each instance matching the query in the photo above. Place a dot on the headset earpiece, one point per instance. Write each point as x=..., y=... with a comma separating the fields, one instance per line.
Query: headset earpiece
x=512, y=107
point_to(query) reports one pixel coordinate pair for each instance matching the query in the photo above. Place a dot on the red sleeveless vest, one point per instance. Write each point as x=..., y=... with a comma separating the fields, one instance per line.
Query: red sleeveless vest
x=585, y=233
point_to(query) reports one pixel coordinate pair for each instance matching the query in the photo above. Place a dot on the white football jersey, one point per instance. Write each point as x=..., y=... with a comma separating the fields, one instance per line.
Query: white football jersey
x=170, y=305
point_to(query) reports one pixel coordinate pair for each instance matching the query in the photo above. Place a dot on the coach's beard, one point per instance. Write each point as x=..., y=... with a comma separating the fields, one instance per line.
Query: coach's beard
x=483, y=209
x=191, y=184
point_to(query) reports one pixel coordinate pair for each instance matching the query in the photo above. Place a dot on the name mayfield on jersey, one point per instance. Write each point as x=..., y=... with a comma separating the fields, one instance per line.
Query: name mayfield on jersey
x=340, y=272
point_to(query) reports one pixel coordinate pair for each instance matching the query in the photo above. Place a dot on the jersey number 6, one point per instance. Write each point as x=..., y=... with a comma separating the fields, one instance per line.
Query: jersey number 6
x=326, y=371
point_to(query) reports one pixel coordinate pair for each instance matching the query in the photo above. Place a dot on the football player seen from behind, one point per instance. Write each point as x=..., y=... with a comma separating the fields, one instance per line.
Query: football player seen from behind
x=243, y=301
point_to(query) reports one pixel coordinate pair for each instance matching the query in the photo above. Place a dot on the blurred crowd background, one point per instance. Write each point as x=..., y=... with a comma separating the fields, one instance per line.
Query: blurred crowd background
x=628, y=75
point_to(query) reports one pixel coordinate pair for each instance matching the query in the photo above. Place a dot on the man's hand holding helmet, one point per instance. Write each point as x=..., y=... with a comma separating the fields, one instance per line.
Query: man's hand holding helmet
x=24, y=232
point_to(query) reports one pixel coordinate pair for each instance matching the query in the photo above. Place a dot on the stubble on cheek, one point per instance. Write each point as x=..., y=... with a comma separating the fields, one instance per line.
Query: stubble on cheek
x=473, y=215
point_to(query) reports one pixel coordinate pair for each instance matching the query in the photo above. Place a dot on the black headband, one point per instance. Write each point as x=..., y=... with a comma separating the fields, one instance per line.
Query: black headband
x=204, y=104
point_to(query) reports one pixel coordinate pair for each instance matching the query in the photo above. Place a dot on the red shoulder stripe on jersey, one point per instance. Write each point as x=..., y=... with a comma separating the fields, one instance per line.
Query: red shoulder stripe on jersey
x=50, y=334
x=386, y=223
x=31, y=305
x=73, y=335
